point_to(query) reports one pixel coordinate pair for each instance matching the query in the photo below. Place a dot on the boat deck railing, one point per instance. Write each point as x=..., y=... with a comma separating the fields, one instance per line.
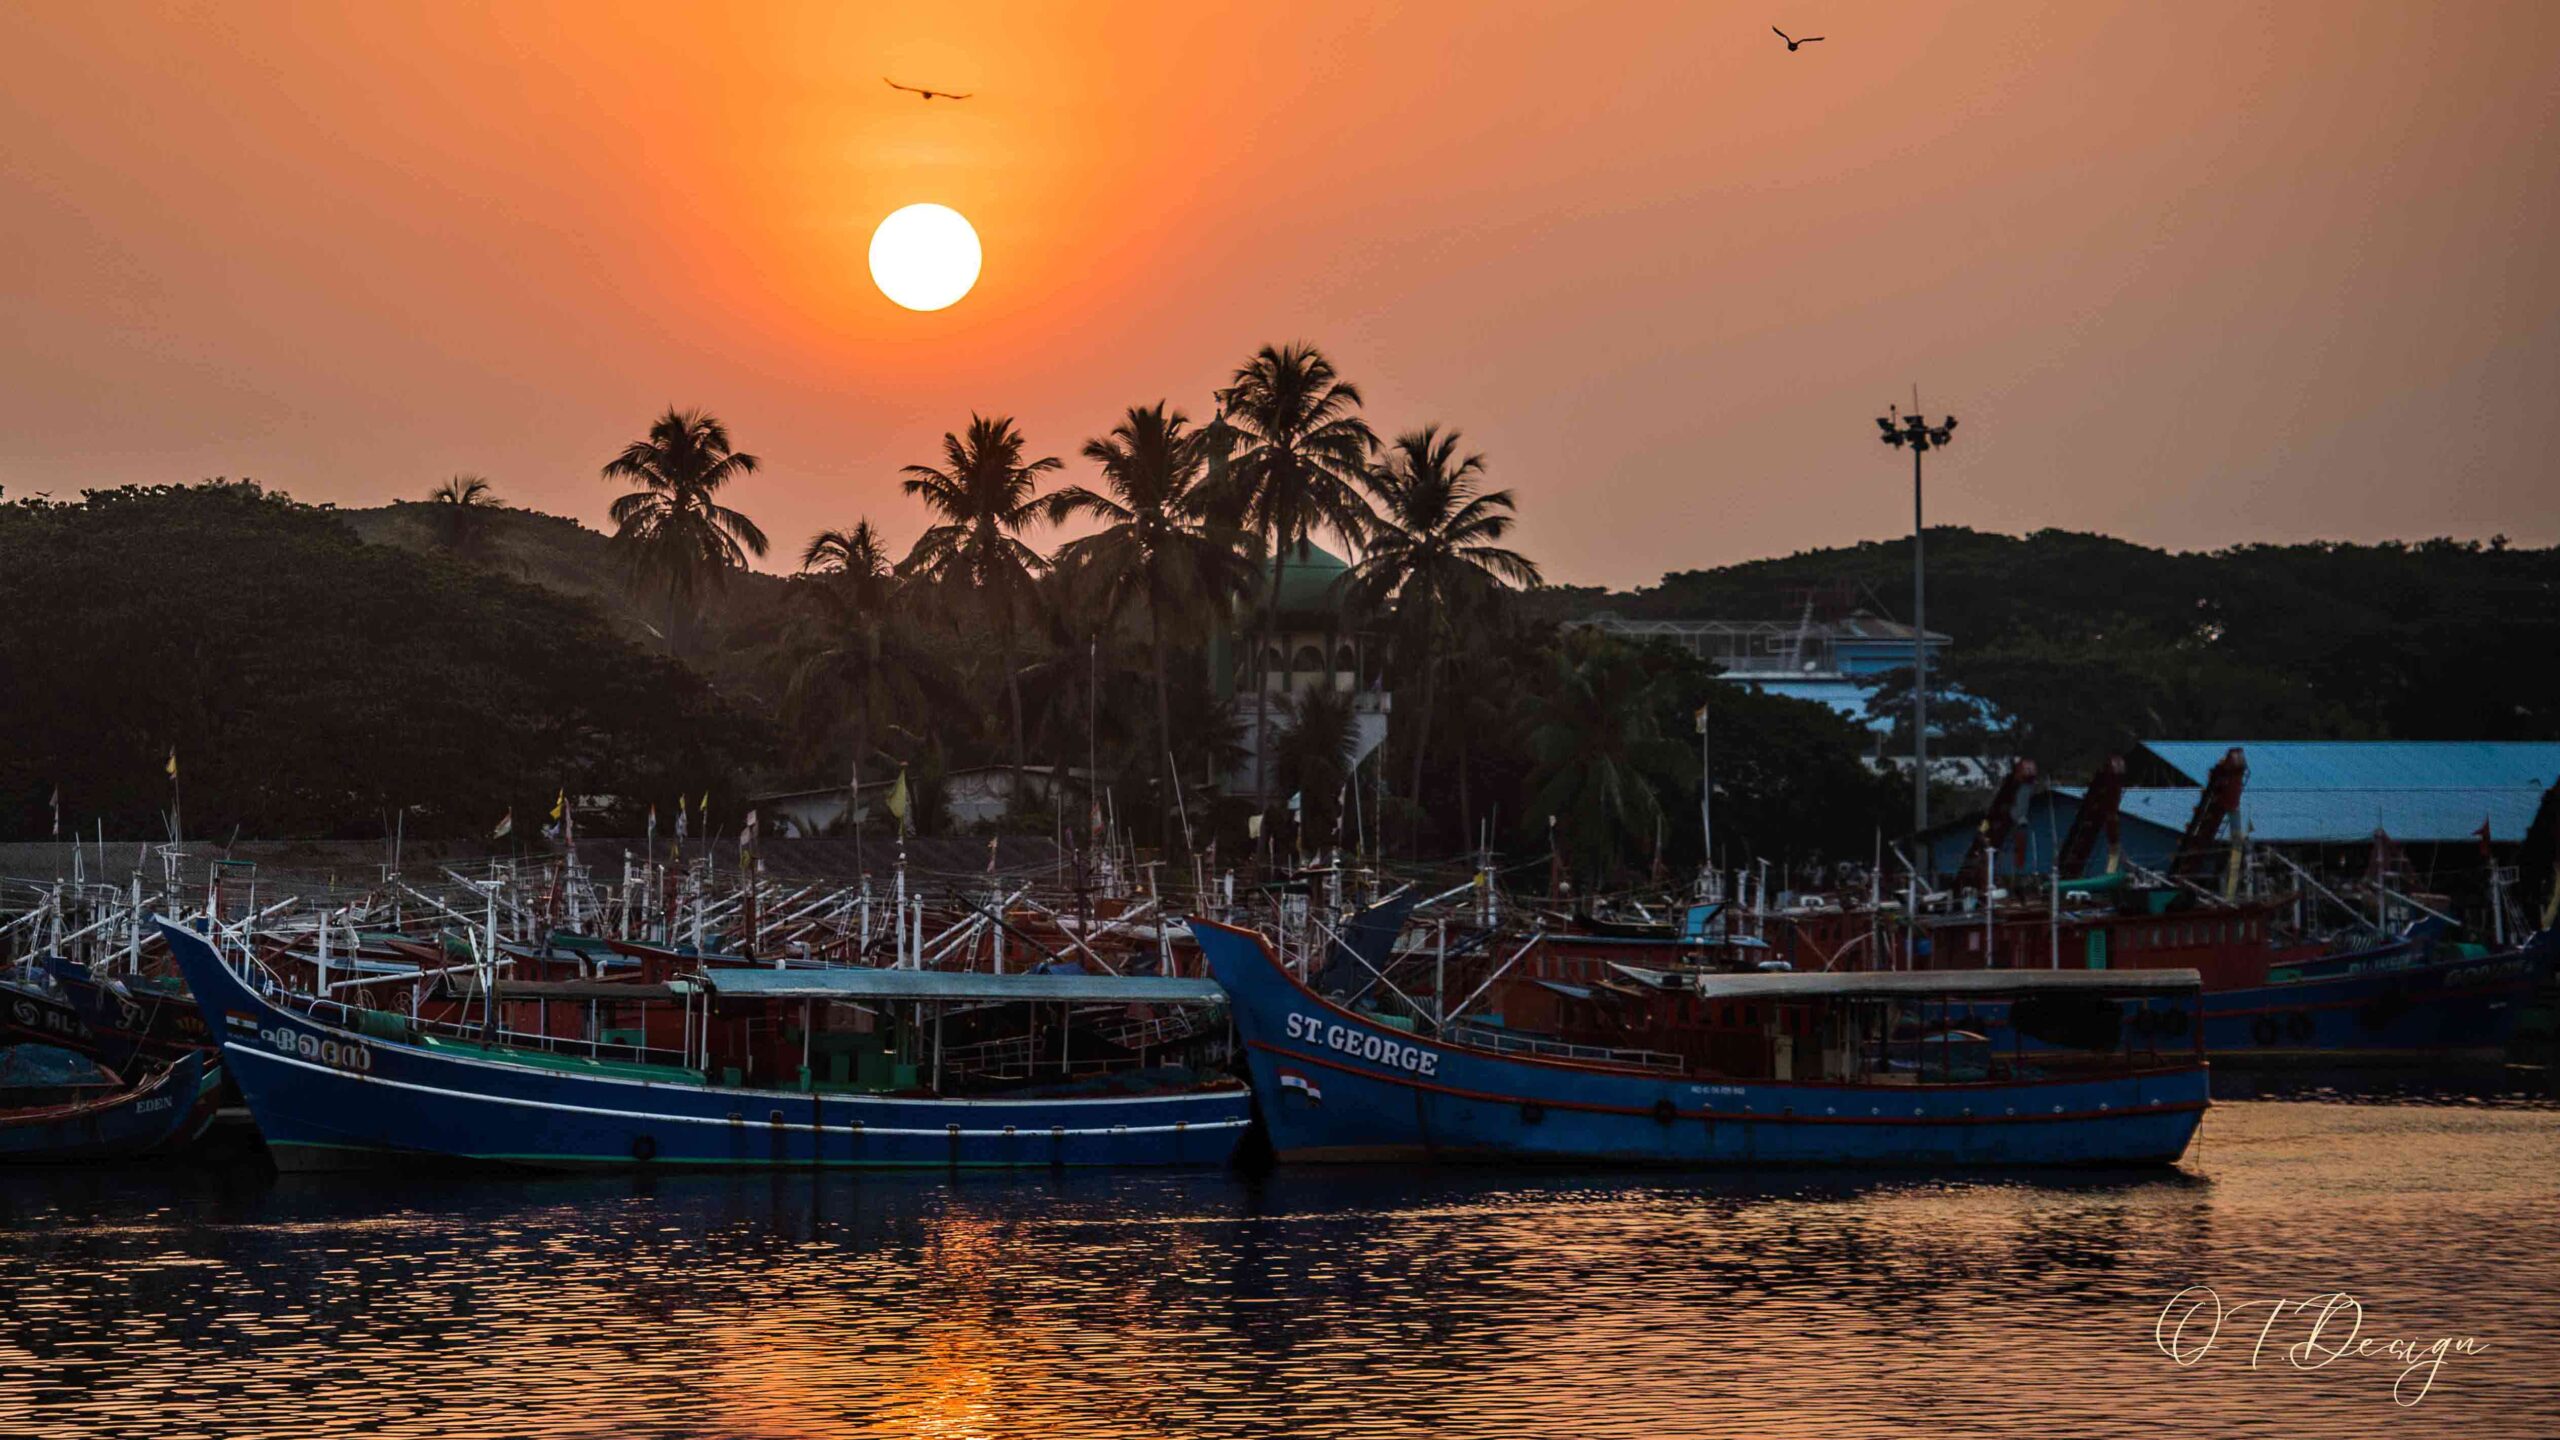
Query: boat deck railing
x=495, y=1038
x=1170, y=1029
x=1511, y=1042
x=1011, y=1055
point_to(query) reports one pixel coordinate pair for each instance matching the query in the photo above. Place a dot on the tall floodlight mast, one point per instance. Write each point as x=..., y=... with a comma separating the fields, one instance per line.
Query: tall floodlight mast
x=1919, y=436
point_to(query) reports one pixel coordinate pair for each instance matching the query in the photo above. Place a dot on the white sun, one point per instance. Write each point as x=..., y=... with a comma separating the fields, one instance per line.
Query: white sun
x=925, y=257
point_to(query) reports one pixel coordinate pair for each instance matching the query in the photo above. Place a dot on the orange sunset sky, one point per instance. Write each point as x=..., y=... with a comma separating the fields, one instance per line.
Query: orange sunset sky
x=2190, y=273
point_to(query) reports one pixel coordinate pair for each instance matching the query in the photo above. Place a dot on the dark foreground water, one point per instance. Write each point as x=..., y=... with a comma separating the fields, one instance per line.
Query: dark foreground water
x=215, y=1302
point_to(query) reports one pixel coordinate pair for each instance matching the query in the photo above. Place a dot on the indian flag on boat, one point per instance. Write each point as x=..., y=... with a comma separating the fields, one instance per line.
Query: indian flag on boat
x=242, y=1021
x=1292, y=1080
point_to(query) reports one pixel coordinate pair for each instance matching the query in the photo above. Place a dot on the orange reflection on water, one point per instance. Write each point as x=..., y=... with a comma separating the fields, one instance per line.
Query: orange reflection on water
x=1322, y=1303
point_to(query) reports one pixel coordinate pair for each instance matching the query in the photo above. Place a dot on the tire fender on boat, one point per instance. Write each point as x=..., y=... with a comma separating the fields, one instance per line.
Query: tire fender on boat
x=644, y=1148
x=2263, y=1030
x=1664, y=1112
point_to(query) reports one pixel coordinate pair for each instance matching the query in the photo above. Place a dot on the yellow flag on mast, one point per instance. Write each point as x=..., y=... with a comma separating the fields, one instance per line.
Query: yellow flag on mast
x=898, y=800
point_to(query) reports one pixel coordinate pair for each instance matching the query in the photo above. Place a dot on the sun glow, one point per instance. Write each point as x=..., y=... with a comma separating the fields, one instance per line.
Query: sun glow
x=925, y=257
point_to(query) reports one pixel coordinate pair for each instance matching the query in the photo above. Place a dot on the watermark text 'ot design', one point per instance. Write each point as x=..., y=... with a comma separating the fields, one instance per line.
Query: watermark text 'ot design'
x=2332, y=1329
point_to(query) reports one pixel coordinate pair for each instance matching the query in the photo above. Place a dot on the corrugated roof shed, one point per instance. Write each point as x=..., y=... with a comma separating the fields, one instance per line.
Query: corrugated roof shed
x=1849, y=700
x=1866, y=626
x=2306, y=792
x=2374, y=764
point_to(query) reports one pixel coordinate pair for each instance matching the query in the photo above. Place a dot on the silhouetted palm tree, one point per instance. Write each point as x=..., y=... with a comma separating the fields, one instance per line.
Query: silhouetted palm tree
x=1084, y=680
x=854, y=559
x=1160, y=547
x=1315, y=759
x=1596, y=743
x=854, y=650
x=1303, y=448
x=1431, y=552
x=674, y=530
x=463, y=504
x=987, y=496
x=1482, y=683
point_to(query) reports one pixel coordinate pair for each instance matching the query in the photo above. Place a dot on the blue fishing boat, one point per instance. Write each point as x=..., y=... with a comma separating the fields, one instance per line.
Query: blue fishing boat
x=2417, y=1001
x=29, y=1010
x=2421, y=999
x=130, y=1020
x=53, y=1123
x=1815, y=1069
x=378, y=1090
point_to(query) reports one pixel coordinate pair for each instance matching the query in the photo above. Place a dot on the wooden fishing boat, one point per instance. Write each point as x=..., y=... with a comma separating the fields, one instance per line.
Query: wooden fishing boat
x=131, y=1020
x=1836, y=1069
x=2418, y=1000
x=167, y=1108
x=743, y=1089
x=30, y=1012
x=2415, y=998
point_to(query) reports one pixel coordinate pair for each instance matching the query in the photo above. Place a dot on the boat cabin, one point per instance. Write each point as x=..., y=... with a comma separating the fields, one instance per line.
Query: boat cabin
x=861, y=1030
x=1852, y=1027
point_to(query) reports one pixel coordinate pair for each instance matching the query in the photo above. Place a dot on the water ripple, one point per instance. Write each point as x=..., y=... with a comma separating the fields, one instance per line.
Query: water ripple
x=1354, y=1303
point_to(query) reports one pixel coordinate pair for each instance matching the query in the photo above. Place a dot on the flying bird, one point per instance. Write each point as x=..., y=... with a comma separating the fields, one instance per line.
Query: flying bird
x=1793, y=44
x=927, y=94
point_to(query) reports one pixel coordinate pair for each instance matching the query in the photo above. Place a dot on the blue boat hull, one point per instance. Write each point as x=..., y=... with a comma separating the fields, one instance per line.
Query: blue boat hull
x=329, y=1099
x=27, y=1013
x=164, y=1111
x=127, y=1024
x=1338, y=1086
x=2389, y=1005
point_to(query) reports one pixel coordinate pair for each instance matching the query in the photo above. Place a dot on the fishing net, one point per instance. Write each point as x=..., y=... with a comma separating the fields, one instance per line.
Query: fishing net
x=49, y=1066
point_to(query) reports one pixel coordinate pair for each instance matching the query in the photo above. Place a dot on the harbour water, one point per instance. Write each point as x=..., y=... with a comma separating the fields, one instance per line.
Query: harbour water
x=227, y=1300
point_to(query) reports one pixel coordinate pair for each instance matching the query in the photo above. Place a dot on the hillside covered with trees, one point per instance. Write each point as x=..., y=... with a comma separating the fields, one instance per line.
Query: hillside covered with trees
x=311, y=685
x=2093, y=643
x=450, y=660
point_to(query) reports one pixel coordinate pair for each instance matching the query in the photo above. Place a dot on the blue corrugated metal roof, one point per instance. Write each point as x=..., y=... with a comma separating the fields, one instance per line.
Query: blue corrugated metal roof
x=2532, y=765
x=1848, y=699
x=2075, y=793
x=2297, y=817
x=2308, y=791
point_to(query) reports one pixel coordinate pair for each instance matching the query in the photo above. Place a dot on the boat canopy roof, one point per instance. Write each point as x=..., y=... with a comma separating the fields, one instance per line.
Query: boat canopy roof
x=859, y=984
x=467, y=986
x=1912, y=984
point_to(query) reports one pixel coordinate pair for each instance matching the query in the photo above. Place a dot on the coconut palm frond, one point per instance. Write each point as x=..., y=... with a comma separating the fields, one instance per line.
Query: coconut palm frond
x=676, y=535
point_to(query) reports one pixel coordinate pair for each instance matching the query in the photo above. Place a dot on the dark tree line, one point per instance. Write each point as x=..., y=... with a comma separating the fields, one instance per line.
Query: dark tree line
x=2090, y=644
x=1073, y=609
x=311, y=684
